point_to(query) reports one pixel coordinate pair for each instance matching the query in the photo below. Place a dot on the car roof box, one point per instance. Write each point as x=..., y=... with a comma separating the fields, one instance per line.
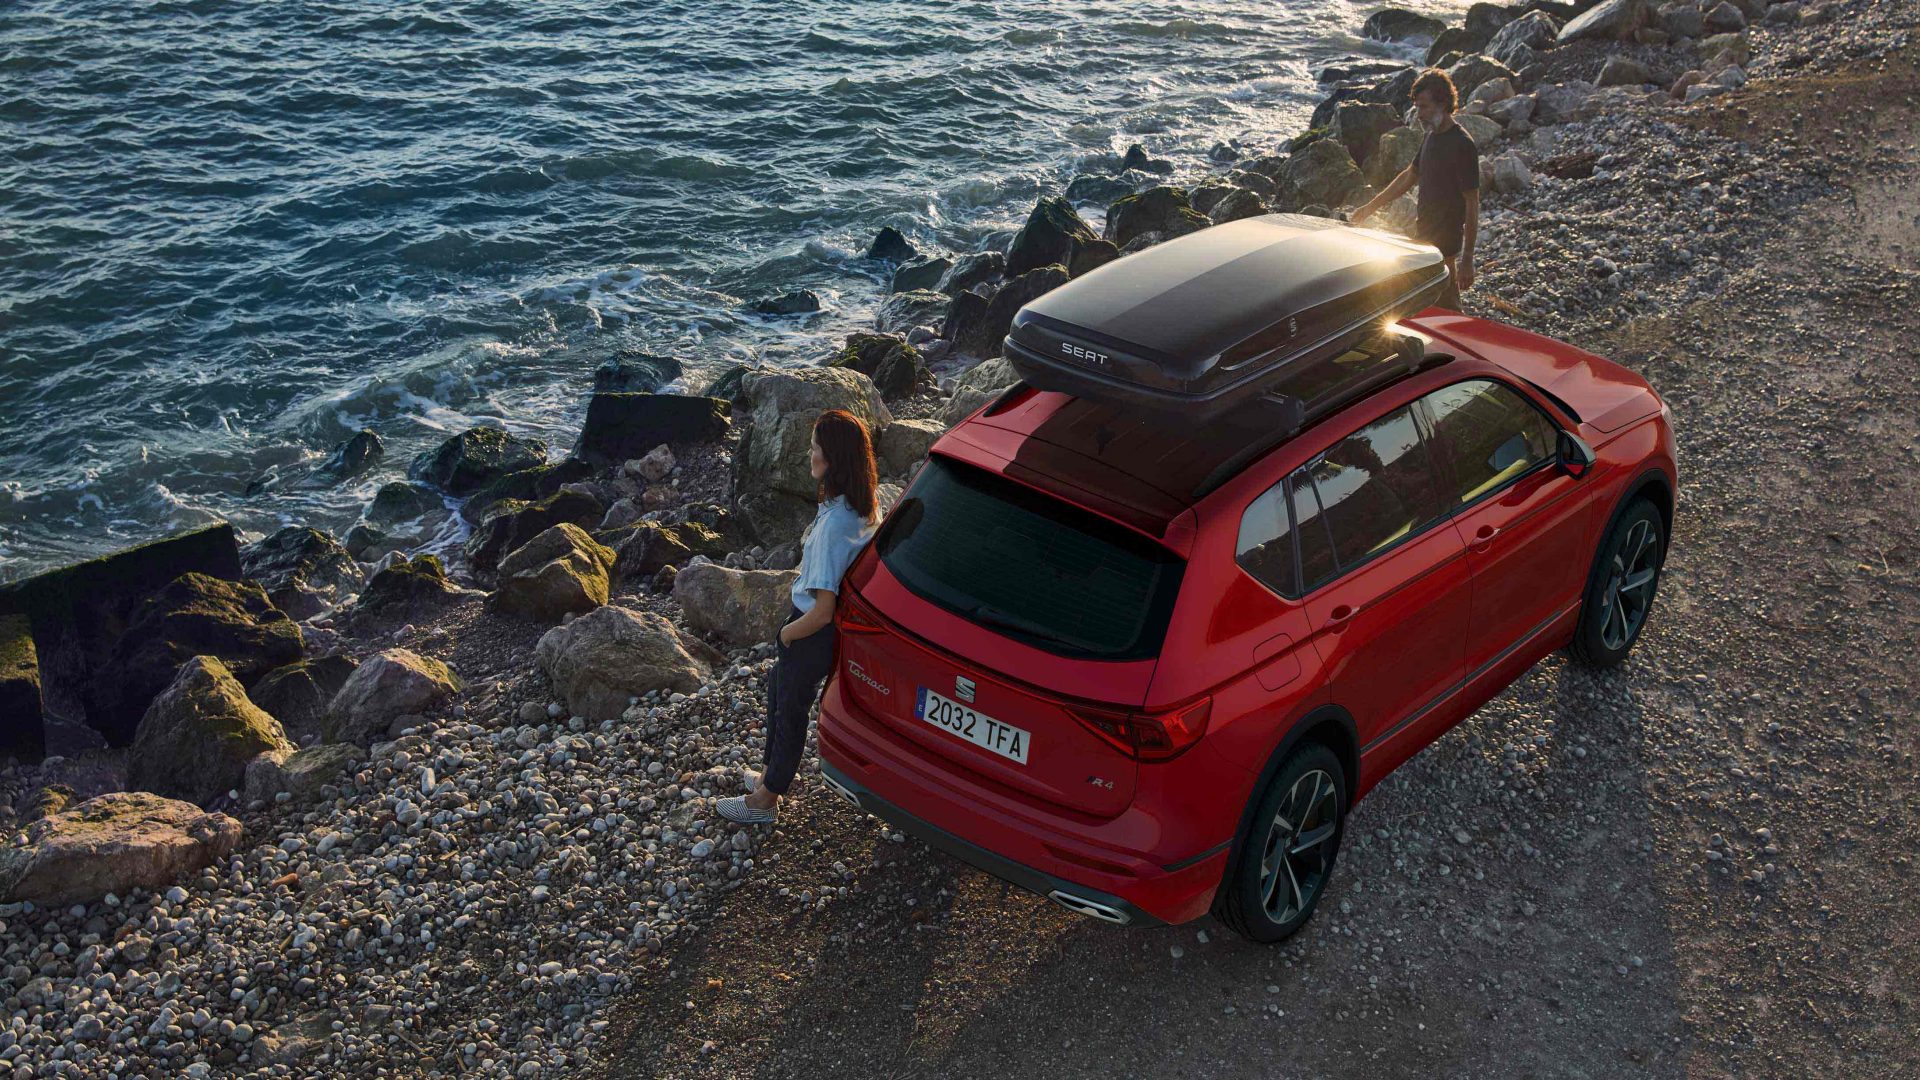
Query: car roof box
x=1206, y=326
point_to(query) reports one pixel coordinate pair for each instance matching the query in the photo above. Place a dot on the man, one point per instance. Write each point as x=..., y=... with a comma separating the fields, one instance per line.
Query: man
x=1447, y=168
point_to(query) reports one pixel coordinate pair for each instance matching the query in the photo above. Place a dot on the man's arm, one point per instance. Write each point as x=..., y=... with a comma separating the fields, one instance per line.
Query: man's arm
x=1394, y=190
x=1463, y=267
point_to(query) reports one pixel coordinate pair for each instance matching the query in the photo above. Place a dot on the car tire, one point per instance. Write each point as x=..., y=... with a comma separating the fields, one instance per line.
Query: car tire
x=1302, y=813
x=1621, y=587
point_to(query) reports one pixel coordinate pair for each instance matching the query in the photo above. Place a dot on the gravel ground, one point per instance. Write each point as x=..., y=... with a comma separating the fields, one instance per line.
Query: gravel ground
x=1700, y=864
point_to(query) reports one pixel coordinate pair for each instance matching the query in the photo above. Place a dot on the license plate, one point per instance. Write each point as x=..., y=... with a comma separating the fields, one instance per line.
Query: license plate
x=965, y=723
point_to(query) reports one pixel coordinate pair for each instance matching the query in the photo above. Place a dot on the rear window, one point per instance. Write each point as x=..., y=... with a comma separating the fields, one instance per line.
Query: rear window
x=1030, y=566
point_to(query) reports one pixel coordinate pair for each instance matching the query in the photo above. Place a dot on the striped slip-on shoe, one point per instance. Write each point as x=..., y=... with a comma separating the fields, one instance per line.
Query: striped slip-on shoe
x=735, y=808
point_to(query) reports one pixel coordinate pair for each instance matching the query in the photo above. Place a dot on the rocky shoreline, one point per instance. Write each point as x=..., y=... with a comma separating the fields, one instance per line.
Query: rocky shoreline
x=458, y=802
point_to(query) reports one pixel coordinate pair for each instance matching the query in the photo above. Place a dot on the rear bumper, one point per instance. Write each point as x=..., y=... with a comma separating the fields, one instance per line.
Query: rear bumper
x=1075, y=865
x=1076, y=898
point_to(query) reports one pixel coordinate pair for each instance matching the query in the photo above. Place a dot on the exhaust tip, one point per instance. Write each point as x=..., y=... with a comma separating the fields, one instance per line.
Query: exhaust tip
x=1092, y=909
x=842, y=790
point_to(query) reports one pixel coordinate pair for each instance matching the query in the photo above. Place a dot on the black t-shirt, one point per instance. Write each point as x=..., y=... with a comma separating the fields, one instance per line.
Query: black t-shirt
x=1447, y=167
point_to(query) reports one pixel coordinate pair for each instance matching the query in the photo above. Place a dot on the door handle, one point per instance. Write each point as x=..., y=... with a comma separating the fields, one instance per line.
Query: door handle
x=1483, y=538
x=1337, y=618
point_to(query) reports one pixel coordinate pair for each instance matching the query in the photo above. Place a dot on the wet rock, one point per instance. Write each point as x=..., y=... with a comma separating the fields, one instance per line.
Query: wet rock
x=635, y=372
x=622, y=426
x=1359, y=124
x=903, y=445
x=1455, y=40
x=924, y=272
x=1053, y=233
x=113, y=844
x=975, y=387
x=298, y=694
x=302, y=773
x=988, y=328
x=973, y=271
x=194, y=615
x=389, y=684
x=890, y=245
x=741, y=607
x=1204, y=197
x=409, y=591
x=1162, y=210
x=1624, y=71
x=1399, y=24
x=1518, y=42
x=561, y=570
x=360, y=452
x=1102, y=190
x=303, y=570
x=1240, y=204
x=1090, y=256
x=527, y=485
x=894, y=366
x=797, y=302
x=1323, y=172
x=1136, y=157
x=78, y=612
x=513, y=523
x=1396, y=151
x=22, y=733
x=771, y=484
x=1609, y=20
x=406, y=514
x=198, y=735
x=475, y=457
x=1469, y=72
x=905, y=310
x=601, y=659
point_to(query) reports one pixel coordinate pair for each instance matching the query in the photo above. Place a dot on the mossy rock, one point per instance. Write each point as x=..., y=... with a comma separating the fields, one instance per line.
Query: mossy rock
x=198, y=735
x=22, y=732
x=474, y=458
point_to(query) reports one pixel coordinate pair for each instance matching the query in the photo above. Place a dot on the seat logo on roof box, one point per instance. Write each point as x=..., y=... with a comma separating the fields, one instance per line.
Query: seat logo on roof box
x=1083, y=354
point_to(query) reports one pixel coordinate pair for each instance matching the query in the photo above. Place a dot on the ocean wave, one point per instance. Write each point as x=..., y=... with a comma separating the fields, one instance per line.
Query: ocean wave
x=1176, y=28
x=458, y=249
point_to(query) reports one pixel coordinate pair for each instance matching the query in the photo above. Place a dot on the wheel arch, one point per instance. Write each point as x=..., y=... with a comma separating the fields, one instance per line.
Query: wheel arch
x=1653, y=483
x=1327, y=724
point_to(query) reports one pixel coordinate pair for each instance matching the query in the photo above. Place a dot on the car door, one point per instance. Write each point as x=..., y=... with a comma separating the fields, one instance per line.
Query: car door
x=1514, y=507
x=1383, y=579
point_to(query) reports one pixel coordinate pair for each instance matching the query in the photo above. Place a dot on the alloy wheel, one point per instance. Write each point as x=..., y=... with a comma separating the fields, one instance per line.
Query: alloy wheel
x=1629, y=592
x=1299, y=846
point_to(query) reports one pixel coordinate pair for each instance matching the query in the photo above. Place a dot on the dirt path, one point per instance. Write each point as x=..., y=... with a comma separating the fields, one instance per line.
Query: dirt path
x=1702, y=864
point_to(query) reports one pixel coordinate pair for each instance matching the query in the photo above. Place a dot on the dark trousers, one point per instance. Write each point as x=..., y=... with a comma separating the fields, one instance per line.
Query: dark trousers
x=799, y=670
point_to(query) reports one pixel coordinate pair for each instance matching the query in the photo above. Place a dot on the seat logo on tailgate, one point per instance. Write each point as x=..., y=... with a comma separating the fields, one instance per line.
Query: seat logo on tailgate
x=963, y=688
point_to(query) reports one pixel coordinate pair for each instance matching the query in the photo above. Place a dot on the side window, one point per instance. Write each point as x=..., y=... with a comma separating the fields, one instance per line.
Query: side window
x=1489, y=434
x=1265, y=549
x=1376, y=487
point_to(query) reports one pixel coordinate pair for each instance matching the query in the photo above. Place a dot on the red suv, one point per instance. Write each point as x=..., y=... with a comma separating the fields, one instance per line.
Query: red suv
x=1145, y=667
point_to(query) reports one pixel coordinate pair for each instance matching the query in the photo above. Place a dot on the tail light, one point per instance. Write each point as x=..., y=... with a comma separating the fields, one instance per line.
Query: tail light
x=851, y=615
x=1156, y=735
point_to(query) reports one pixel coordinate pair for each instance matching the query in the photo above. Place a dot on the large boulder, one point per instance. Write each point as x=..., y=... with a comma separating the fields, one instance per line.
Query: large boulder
x=642, y=548
x=894, y=366
x=1469, y=72
x=1455, y=40
x=513, y=523
x=298, y=694
x=890, y=245
x=195, y=615
x=1683, y=20
x=973, y=271
x=904, y=444
x=1564, y=103
x=635, y=372
x=741, y=607
x=1395, y=152
x=389, y=685
x=622, y=426
x=78, y=613
x=561, y=570
x=797, y=302
x=975, y=387
x=1518, y=42
x=977, y=328
x=1091, y=255
x=771, y=483
x=409, y=591
x=22, y=731
x=1484, y=132
x=113, y=844
x=1359, y=124
x=527, y=486
x=1240, y=204
x=924, y=272
x=1053, y=233
x=1624, y=71
x=302, y=773
x=1324, y=173
x=468, y=461
x=356, y=454
x=1399, y=24
x=1163, y=210
x=1608, y=20
x=198, y=735
x=903, y=311
x=611, y=654
x=304, y=571
x=406, y=514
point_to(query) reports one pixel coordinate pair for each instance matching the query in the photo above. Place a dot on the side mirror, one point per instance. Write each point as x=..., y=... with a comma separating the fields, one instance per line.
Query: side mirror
x=1576, y=457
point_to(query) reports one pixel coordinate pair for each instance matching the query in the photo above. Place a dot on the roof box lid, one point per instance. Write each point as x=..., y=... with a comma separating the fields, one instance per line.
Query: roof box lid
x=1204, y=323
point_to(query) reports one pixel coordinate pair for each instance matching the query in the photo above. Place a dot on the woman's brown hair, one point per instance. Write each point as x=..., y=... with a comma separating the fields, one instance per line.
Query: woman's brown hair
x=851, y=472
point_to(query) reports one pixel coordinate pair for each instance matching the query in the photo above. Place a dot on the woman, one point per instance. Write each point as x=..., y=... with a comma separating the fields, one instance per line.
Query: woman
x=843, y=468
